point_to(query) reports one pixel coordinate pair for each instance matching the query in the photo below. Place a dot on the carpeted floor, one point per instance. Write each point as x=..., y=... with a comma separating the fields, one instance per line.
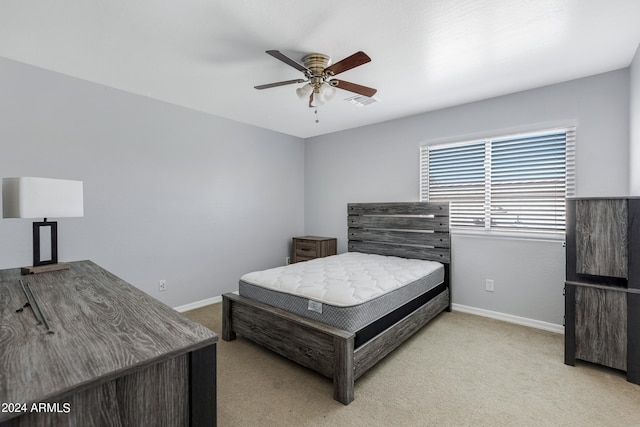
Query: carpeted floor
x=459, y=370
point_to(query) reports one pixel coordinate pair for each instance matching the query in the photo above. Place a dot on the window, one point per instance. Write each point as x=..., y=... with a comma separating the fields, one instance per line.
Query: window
x=512, y=183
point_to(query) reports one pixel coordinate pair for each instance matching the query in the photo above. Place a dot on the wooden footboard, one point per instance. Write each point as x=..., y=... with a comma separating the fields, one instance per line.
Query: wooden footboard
x=322, y=348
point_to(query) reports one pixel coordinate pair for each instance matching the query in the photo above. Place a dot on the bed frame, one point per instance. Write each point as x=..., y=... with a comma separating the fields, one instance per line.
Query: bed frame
x=410, y=230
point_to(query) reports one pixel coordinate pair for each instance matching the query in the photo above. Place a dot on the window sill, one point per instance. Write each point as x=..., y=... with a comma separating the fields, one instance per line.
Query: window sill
x=511, y=235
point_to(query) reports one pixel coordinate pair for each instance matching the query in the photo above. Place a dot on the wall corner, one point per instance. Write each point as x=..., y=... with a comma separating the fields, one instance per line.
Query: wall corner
x=634, y=124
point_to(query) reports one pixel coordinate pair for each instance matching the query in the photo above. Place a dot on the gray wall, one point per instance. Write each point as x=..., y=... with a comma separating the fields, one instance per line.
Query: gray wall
x=380, y=163
x=170, y=193
x=634, y=117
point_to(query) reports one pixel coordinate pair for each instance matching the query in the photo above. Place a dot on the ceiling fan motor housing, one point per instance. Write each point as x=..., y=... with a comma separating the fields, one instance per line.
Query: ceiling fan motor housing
x=316, y=63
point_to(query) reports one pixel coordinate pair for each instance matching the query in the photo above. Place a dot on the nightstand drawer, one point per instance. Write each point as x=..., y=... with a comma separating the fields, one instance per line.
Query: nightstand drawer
x=309, y=247
x=305, y=248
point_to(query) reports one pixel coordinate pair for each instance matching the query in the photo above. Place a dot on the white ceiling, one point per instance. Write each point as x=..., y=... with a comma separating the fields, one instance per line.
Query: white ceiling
x=426, y=54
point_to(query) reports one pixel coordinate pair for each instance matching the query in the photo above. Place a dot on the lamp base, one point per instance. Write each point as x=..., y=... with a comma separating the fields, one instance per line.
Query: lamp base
x=35, y=269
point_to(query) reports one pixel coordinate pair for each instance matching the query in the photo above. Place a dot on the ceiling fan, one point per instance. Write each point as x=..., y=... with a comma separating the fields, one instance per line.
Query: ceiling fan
x=319, y=75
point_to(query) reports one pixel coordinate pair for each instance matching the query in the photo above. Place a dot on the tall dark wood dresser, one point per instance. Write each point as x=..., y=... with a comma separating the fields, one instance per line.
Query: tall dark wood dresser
x=602, y=288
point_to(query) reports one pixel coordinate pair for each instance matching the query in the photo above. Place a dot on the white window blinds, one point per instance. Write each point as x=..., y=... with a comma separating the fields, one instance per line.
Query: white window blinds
x=514, y=183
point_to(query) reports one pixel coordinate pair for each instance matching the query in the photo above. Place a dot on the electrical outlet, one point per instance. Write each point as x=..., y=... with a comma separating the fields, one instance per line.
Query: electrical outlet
x=287, y=260
x=488, y=285
x=162, y=285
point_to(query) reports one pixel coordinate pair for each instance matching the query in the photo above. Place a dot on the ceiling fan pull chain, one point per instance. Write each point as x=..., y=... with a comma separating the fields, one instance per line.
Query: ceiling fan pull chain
x=317, y=119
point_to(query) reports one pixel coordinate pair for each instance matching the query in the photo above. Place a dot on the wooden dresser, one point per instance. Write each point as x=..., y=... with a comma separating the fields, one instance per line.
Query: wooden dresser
x=310, y=247
x=602, y=291
x=104, y=353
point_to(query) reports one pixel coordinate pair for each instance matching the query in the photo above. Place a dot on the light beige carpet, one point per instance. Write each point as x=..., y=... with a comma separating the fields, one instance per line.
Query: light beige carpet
x=459, y=370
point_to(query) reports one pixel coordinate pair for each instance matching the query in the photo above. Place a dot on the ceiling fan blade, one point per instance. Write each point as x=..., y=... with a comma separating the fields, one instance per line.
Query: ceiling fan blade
x=352, y=87
x=276, y=84
x=348, y=63
x=284, y=58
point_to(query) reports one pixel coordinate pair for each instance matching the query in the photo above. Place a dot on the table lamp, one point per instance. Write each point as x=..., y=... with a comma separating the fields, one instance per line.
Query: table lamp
x=31, y=197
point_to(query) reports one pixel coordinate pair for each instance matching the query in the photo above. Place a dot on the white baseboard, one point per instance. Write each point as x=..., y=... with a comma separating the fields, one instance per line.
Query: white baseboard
x=538, y=324
x=532, y=323
x=198, y=304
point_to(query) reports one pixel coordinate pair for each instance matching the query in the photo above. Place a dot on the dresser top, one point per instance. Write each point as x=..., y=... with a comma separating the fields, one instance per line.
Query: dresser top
x=605, y=198
x=103, y=328
x=314, y=238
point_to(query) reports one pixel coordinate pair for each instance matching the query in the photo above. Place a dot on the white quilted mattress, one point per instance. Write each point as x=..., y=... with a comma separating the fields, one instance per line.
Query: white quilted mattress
x=348, y=291
x=343, y=280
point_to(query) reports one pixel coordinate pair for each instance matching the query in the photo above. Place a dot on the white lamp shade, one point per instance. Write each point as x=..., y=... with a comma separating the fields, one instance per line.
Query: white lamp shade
x=327, y=91
x=304, y=92
x=31, y=197
x=318, y=99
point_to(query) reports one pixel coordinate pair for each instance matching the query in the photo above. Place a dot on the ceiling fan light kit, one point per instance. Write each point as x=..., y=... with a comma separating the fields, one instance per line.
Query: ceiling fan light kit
x=304, y=91
x=320, y=85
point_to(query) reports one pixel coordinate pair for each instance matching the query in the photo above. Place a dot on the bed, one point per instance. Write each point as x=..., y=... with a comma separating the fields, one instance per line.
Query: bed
x=343, y=350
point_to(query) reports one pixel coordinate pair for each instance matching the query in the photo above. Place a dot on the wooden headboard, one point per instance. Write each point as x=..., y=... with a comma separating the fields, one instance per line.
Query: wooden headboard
x=410, y=230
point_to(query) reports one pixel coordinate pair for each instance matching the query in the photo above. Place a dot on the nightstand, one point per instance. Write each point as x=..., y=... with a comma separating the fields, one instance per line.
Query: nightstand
x=310, y=247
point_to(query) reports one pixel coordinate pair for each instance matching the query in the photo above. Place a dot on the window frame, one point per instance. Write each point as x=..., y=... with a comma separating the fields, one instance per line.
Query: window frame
x=569, y=181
